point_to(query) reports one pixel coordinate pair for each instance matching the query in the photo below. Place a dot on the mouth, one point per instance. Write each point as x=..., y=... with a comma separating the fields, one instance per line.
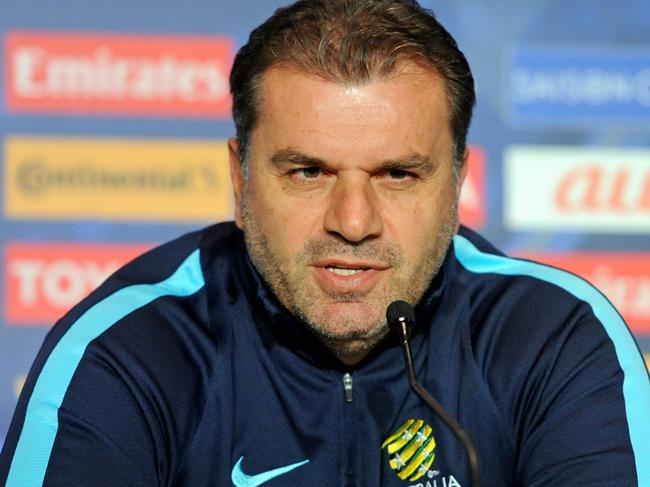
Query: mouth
x=349, y=268
x=341, y=276
x=346, y=271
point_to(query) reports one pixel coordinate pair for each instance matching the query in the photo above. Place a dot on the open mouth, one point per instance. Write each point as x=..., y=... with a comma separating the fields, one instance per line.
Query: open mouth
x=345, y=271
x=337, y=275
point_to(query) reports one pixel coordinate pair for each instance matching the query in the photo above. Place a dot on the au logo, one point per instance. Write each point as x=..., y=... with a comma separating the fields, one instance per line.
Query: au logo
x=410, y=449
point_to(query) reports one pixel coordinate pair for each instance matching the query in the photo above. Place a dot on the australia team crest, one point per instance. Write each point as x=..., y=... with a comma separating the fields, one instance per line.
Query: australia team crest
x=410, y=449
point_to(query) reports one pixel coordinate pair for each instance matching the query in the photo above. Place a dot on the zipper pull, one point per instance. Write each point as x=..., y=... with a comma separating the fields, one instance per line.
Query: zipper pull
x=347, y=386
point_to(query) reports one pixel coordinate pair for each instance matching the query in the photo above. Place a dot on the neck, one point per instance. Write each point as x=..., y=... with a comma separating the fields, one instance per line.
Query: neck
x=352, y=351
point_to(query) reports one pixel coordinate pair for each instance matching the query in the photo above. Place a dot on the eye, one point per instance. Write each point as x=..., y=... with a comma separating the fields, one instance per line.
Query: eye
x=307, y=175
x=397, y=174
x=396, y=178
x=309, y=172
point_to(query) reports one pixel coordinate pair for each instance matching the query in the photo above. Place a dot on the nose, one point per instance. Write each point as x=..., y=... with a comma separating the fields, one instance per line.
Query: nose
x=353, y=210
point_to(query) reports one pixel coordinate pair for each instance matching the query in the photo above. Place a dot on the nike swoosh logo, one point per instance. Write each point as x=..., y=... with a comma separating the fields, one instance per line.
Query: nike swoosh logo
x=240, y=479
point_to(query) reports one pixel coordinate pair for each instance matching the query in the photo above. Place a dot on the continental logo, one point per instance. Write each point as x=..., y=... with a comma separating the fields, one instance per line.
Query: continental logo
x=118, y=74
x=43, y=280
x=410, y=449
x=116, y=179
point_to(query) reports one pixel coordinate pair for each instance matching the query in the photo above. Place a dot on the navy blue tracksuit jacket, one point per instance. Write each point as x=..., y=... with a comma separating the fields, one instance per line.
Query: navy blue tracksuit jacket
x=183, y=370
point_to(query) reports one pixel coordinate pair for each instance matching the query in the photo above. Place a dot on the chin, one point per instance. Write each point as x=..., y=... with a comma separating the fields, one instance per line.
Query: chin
x=347, y=321
x=348, y=332
x=350, y=351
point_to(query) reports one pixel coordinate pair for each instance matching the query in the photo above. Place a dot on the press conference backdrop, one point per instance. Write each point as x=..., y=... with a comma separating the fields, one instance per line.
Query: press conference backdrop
x=115, y=115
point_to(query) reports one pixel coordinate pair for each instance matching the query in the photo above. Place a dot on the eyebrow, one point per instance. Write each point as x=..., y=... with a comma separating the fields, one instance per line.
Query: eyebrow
x=290, y=156
x=410, y=162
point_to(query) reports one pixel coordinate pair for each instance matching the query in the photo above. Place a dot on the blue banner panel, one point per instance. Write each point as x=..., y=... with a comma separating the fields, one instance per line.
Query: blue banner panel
x=594, y=86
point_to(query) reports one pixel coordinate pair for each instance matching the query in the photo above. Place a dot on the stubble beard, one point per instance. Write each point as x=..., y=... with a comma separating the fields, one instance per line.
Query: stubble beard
x=346, y=337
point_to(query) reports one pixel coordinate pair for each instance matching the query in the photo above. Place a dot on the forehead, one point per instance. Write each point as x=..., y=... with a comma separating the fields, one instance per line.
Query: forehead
x=287, y=84
x=406, y=112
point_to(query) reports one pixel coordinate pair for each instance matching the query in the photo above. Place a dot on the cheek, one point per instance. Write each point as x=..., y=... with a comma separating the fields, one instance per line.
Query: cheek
x=416, y=225
x=408, y=216
x=286, y=224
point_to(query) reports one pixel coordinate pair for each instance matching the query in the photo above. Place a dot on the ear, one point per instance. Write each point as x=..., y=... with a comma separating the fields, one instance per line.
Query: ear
x=237, y=178
x=463, y=172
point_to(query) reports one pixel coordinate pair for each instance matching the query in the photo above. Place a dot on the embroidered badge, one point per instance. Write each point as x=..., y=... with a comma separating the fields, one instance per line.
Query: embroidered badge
x=410, y=449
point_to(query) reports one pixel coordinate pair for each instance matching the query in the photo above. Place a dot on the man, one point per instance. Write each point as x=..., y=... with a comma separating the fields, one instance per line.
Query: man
x=258, y=353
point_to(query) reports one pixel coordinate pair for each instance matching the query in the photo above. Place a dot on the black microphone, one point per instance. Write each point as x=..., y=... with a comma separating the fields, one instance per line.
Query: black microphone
x=401, y=317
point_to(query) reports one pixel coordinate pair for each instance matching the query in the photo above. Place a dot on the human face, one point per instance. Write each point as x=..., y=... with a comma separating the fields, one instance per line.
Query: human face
x=350, y=201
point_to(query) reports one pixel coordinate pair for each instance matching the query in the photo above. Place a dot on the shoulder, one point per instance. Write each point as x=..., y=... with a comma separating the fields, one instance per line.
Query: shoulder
x=547, y=341
x=175, y=268
x=142, y=294
x=536, y=301
x=149, y=317
x=128, y=364
x=529, y=288
x=539, y=311
x=157, y=294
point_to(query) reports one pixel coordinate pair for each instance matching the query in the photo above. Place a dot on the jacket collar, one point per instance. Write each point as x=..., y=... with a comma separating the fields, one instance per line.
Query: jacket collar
x=288, y=330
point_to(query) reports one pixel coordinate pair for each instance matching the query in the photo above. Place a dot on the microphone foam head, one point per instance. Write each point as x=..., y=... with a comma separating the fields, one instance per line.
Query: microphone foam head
x=399, y=311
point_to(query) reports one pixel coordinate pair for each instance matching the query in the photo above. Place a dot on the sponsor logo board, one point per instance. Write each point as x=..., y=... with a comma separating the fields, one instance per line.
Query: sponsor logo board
x=116, y=179
x=472, y=202
x=57, y=72
x=623, y=277
x=44, y=280
x=601, y=190
x=562, y=84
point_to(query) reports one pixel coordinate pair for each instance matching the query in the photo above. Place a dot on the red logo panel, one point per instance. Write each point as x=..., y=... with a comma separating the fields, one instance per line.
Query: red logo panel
x=115, y=74
x=623, y=277
x=44, y=280
x=592, y=188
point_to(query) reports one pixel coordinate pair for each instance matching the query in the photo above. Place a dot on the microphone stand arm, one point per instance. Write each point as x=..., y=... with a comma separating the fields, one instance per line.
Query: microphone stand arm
x=460, y=433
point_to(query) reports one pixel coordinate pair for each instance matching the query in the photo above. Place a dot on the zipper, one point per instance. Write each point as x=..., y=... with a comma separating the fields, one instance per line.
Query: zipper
x=348, y=452
x=347, y=386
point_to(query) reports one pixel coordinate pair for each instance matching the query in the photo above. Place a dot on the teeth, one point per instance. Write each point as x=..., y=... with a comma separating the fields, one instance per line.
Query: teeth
x=343, y=272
